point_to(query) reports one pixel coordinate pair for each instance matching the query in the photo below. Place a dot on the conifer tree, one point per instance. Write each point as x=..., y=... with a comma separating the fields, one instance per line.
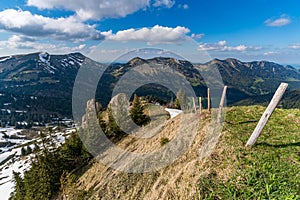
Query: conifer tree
x=36, y=148
x=23, y=151
x=137, y=112
x=19, y=193
x=29, y=150
x=113, y=130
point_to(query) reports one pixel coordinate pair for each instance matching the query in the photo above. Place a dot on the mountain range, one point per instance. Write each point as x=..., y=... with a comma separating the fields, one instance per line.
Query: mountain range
x=41, y=83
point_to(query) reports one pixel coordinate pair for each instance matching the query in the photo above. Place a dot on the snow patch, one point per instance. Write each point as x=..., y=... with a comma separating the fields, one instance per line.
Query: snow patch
x=45, y=58
x=173, y=112
x=10, y=131
x=6, y=175
x=22, y=164
x=74, y=60
x=6, y=110
x=5, y=59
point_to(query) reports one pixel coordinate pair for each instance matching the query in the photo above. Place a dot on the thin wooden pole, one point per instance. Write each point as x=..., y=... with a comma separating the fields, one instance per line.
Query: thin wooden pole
x=194, y=104
x=267, y=114
x=208, y=99
x=200, y=105
x=221, y=105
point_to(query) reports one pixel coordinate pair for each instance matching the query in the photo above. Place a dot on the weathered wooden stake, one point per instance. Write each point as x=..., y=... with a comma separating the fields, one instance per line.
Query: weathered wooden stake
x=200, y=105
x=194, y=104
x=208, y=99
x=267, y=114
x=219, y=117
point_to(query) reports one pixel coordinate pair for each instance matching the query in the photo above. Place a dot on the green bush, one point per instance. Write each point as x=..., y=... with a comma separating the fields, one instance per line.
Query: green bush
x=164, y=141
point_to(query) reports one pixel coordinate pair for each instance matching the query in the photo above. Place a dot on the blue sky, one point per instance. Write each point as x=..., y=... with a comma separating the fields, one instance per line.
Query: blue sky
x=247, y=30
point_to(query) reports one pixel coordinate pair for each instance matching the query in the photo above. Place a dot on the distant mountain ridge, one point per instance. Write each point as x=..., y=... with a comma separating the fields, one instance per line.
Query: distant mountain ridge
x=39, y=84
x=245, y=79
x=258, y=77
x=52, y=77
x=35, y=74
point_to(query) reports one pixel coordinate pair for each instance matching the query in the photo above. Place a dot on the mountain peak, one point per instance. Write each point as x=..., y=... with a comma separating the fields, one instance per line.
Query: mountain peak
x=137, y=61
x=76, y=54
x=233, y=60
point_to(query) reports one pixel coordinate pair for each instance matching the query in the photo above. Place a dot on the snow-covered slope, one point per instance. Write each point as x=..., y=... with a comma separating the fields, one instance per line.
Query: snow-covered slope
x=12, y=161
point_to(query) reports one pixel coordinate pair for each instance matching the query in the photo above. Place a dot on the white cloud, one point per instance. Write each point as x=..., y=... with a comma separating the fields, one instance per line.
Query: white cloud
x=17, y=42
x=79, y=47
x=197, y=36
x=183, y=6
x=235, y=48
x=222, y=43
x=282, y=21
x=29, y=28
x=270, y=53
x=295, y=46
x=39, y=26
x=155, y=35
x=20, y=42
x=166, y=3
x=222, y=46
x=94, y=9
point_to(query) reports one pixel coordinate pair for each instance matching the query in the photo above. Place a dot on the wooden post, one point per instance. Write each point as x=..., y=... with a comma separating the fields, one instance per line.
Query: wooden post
x=200, y=105
x=194, y=104
x=208, y=99
x=221, y=105
x=267, y=114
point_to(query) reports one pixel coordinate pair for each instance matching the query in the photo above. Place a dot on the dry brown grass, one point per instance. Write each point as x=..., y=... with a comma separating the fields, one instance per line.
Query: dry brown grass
x=176, y=181
x=230, y=170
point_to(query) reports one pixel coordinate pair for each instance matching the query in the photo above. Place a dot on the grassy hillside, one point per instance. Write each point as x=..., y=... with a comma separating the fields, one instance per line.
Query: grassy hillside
x=270, y=170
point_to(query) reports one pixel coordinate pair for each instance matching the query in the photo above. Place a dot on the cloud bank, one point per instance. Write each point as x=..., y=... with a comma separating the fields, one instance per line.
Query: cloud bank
x=33, y=25
x=222, y=46
x=155, y=35
x=99, y=9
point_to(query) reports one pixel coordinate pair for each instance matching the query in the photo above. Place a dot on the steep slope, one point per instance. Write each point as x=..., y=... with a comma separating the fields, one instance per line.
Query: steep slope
x=106, y=183
x=231, y=171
